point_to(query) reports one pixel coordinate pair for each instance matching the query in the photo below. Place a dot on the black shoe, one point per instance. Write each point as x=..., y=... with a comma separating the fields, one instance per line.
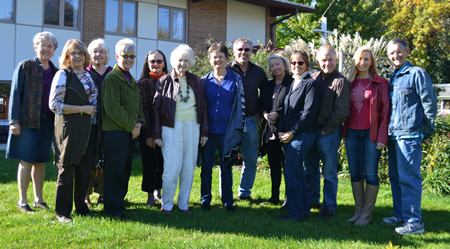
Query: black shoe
x=326, y=213
x=41, y=205
x=314, y=206
x=230, y=208
x=63, y=219
x=25, y=208
x=288, y=218
x=206, y=206
x=122, y=217
x=270, y=201
x=246, y=198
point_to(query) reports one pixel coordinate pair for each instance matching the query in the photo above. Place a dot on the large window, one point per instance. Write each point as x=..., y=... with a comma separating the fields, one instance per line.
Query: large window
x=120, y=17
x=63, y=13
x=7, y=10
x=171, y=24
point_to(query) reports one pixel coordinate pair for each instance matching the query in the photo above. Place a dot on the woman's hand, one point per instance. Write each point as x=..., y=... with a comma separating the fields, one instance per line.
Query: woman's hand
x=15, y=129
x=273, y=116
x=380, y=146
x=150, y=143
x=158, y=142
x=136, y=131
x=285, y=137
x=203, y=141
x=88, y=109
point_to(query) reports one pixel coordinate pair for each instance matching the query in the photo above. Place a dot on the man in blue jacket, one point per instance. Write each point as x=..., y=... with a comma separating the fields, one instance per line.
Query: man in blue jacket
x=412, y=116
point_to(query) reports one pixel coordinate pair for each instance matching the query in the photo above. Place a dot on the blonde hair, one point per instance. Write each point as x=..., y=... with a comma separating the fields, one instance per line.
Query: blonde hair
x=71, y=45
x=283, y=59
x=355, y=60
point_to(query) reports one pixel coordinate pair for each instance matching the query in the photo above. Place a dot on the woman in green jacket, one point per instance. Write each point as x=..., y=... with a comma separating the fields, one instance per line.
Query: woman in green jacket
x=122, y=121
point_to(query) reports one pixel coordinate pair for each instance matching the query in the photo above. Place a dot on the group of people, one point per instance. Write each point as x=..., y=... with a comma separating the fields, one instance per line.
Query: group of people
x=181, y=119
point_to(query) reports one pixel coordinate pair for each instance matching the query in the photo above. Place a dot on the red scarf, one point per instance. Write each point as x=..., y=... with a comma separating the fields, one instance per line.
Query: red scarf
x=156, y=76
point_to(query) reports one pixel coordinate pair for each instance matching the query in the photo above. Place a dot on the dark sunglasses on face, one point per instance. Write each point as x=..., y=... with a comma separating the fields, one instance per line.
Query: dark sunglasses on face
x=245, y=49
x=300, y=63
x=126, y=56
x=157, y=61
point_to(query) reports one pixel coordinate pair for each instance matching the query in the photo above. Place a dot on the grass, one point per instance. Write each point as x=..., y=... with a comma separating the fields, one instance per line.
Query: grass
x=251, y=226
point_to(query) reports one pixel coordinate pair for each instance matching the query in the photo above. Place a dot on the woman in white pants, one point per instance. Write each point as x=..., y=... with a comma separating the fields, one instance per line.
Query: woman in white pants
x=180, y=123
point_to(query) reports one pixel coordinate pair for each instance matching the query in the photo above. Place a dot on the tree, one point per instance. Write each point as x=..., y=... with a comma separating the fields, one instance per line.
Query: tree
x=424, y=25
x=347, y=16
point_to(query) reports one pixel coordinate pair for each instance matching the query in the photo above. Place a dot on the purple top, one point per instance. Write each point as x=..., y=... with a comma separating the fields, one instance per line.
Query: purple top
x=126, y=73
x=48, y=77
x=98, y=76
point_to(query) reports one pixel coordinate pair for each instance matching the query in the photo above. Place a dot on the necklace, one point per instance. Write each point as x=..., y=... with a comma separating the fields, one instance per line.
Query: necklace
x=184, y=99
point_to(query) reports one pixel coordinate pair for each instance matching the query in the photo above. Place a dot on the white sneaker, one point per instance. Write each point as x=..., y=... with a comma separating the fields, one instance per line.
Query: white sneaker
x=411, y=228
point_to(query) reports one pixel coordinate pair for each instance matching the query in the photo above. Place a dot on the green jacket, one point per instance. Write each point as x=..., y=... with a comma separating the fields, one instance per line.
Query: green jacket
x=121, y=102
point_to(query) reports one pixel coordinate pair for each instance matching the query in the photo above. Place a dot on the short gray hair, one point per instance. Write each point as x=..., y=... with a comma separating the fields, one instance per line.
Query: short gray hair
x=99, y=42
x=280, y=57
x=125, y=45
x=41, y=36
x=398, y=41
x=180, y=51
x=244, y=40
x=326, y=46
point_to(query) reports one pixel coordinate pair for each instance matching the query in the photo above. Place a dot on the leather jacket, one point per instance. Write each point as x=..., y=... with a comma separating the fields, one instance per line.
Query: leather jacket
x=165, y=103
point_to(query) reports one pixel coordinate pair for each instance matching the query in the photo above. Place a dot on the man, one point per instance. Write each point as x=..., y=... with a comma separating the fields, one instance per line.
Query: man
x=413, y=112
x=334, y=109
x=253, y=77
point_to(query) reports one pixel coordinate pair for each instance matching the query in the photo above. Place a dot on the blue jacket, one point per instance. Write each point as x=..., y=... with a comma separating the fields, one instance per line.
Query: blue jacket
x=413, y=103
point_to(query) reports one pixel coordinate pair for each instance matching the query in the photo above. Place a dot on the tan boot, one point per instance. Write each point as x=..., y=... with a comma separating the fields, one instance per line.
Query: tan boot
x=369, y=204
x=358, y=195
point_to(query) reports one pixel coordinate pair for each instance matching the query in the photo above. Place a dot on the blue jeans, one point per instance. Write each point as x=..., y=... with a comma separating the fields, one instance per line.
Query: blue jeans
x=363, y=156
x=325, y=148
x=405, y=158
x=296, y=191
x=249, y=150
x=226, y=173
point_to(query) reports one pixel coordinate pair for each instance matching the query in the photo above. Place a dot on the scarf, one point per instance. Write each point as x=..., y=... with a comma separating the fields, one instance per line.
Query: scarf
x=156, y=76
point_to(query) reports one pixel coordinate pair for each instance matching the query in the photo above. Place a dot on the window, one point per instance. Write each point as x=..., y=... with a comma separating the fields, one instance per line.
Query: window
x=7, y=10
x=63, y=13
x=171, y=24
x=120, y=17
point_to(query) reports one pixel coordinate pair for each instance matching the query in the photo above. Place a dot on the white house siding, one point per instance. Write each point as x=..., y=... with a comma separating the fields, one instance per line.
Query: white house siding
x=7, y=63
x=246, y=20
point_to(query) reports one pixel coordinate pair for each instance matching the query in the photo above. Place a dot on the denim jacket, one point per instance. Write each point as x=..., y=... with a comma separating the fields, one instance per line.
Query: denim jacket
x=413, y=103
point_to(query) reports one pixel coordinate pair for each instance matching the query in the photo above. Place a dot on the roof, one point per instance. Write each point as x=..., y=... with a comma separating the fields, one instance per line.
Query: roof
x=279, y=7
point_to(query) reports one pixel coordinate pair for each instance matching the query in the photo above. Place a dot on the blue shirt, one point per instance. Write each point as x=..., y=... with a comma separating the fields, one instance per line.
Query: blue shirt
x=220, y=101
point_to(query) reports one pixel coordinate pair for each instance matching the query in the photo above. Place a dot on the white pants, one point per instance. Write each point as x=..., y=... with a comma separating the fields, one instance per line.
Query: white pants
x=180, y=147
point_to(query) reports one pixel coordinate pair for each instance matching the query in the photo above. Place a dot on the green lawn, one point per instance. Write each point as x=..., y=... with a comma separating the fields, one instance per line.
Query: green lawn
x=251, y=226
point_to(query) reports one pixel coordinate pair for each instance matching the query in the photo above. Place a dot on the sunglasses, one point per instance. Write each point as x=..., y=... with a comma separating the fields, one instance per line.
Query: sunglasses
x=300, y=63
x=157, y=61
x=75, y=54
x=243, y=49
x=126, y=56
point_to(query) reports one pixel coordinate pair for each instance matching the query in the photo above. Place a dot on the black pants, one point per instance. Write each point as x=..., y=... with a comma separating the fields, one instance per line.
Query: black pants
x=64, y=187
x=119, y=154
x=276, y=157
x=152, y=166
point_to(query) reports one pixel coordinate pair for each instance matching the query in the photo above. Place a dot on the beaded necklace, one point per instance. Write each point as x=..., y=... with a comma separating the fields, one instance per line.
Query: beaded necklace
x=184, y=99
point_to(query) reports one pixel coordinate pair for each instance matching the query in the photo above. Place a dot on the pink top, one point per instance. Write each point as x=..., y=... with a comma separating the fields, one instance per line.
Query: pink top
x=360, y=94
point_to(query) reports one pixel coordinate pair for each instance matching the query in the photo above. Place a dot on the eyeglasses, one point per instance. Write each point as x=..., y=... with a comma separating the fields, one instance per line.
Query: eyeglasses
x=76, y=54
x=126, y=56
x=243, y=49
x=300, y=63
x=157, y=61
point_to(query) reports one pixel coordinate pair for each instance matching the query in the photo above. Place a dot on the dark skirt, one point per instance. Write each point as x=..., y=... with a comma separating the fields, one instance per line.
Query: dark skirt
x=32, y=145
x=152, y=166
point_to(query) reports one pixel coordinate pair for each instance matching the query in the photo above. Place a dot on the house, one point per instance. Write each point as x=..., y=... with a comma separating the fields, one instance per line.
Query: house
x=151, y=24
x=443, y=97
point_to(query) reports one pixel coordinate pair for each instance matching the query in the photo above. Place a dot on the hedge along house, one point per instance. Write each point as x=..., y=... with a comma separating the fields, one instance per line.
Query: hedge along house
x=151, y=24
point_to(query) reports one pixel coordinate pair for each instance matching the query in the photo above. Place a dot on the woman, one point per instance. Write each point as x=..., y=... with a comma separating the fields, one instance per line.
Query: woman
x=269, y=100
x=99, y=53
x=222, y=88
x=180, y=122
x=74, y=100
x=30, y=119
x=365, y=131
x=152, y=160
x=122, y=121
x=297, y=129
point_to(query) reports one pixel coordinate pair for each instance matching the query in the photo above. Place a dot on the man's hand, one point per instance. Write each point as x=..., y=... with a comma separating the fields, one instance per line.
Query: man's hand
x=15, y=129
